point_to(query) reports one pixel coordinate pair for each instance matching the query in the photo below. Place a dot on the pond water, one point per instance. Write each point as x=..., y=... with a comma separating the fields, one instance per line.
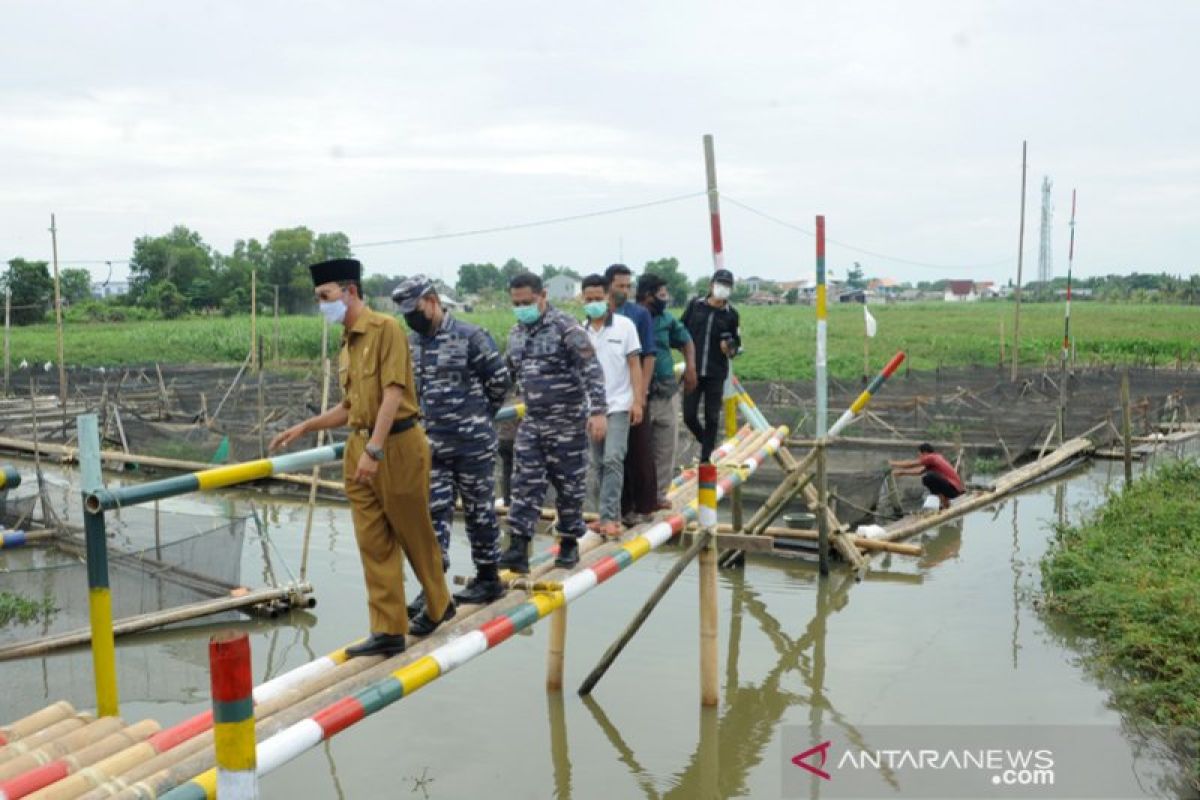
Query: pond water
x=952, y=638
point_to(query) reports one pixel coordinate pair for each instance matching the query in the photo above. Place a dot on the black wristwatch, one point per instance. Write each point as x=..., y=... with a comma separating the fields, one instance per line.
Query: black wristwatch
x=374, y=452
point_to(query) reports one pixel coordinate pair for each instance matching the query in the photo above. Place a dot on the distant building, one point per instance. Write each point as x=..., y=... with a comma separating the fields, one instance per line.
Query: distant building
x=853, y=296
x=764, y=299
x=753, y=284
x=961, y=292
x=110, y=289
x=563, y=287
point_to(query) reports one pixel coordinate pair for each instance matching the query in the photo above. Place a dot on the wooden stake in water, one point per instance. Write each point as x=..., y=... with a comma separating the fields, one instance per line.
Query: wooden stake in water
x=1066, y=348
x=254, y=364
x=1126, y=425
x=822, y=505
x=1016, y=348
x=556, y=650
x=316, y=471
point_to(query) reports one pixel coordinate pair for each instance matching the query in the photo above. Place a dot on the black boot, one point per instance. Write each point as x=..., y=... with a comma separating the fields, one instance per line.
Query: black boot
x=486, y=587
x=568, y=553
x=417, y=605
x=422, y=625
x=378, y=644
x=516, y=557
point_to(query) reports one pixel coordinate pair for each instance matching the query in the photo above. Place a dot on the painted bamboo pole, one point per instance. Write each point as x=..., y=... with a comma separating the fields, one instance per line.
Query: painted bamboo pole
x=714, y=202
x=1066, y=348
x=731, y=429
x=556, y=651
x=254, y=362
x=710, y=688
x=233, y=716
x=11, y=539
x=104, y=653
x=207, y=480
x=822, y=379
x=856, y=408
x=330, y=720
x=9, y=477
x=1016, y=346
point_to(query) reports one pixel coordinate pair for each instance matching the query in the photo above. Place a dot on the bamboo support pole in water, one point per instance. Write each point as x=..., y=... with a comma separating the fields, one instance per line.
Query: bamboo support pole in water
x=556, y=651
x=822, y=486
x=312, y=491
x=710, y=689
x=1016, y=346
x=104, y=654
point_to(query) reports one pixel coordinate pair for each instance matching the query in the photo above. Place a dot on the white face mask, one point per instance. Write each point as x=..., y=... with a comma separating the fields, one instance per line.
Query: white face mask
x=721, y=292
x=334, y=311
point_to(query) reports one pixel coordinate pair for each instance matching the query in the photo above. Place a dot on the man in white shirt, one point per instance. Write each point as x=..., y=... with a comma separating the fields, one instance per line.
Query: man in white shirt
x=615, y=340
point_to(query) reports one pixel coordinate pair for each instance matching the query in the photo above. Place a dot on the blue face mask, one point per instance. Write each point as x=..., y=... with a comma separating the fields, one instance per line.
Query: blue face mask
x=595, y=309
x=527, y=315
x=334, y=311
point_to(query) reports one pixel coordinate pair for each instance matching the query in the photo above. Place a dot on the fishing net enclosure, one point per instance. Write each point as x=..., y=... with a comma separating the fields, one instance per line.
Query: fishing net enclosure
x=16, y=507
x=191, y=558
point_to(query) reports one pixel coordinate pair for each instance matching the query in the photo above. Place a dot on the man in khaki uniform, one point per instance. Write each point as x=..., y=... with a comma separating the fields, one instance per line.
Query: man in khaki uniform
x=386, y=465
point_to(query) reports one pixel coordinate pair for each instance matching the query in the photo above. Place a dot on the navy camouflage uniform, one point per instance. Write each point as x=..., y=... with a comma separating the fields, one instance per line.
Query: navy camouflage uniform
x=556, y=369
x=461, y=381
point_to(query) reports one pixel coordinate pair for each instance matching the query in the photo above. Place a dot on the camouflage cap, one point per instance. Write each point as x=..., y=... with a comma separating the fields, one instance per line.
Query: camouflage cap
x=410, y=291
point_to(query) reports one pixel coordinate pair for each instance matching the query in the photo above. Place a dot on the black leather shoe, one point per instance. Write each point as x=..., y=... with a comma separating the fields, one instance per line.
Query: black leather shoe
x=378, y=644
x=480, y=593
x=417, y=605
x=516, y=557
x=568, y=553
x=422, y=625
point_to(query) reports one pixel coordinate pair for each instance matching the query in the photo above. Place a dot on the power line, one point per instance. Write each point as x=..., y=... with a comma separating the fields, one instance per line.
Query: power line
x=534, y=224
x=857, y=249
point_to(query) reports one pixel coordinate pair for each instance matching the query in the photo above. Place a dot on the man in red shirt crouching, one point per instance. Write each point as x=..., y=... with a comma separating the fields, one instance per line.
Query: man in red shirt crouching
x=936, y=473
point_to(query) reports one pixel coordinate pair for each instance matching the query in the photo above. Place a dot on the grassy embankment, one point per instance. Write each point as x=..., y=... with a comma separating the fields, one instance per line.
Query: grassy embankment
x=778, y=341
x=1130, y=576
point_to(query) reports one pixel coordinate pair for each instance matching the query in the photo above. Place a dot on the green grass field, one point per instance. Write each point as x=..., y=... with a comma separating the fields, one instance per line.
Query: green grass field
x=778, y=341
x=1129, y=577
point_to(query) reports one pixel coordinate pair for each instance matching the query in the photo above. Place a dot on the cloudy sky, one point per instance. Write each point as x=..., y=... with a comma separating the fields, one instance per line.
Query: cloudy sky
x=902, y=122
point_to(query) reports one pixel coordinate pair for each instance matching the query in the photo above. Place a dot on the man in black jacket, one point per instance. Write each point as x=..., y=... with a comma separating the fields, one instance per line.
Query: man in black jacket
x=713, y=324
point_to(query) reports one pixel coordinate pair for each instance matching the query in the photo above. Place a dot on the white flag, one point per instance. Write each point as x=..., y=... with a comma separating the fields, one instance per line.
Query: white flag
x=871, y=326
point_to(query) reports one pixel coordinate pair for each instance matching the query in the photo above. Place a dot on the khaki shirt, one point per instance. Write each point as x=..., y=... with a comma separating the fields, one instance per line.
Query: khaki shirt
x=374, y=355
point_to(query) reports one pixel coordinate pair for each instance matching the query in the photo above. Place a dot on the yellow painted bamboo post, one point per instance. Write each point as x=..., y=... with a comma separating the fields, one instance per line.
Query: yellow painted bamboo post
x=233, y=716
x=556, y=653
x=710, y=690
x=731, y=429
x=104, y=654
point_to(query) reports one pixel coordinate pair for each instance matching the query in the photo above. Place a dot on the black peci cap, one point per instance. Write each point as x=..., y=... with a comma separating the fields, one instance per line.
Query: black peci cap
x=336, y=271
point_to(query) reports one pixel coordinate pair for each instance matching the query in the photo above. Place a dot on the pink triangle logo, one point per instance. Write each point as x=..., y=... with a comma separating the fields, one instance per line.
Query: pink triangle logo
x=823, y=749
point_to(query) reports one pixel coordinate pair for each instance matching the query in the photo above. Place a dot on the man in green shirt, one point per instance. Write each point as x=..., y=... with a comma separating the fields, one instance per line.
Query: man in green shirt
x=669, y=333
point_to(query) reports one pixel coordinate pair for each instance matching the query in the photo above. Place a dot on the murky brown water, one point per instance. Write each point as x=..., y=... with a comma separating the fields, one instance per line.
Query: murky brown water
x=950, y=639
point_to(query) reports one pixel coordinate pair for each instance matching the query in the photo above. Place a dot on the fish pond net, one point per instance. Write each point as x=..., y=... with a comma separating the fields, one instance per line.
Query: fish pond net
x=157, y=562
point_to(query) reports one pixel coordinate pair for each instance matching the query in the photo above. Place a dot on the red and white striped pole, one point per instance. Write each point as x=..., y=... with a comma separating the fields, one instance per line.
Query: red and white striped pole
x=714, y=203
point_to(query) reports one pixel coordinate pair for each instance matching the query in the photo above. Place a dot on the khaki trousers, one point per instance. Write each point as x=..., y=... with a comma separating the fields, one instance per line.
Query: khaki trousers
x=391, y=522
x=664, y=416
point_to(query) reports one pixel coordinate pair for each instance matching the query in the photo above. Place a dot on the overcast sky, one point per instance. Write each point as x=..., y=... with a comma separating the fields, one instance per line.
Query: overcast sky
x=901, y=122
